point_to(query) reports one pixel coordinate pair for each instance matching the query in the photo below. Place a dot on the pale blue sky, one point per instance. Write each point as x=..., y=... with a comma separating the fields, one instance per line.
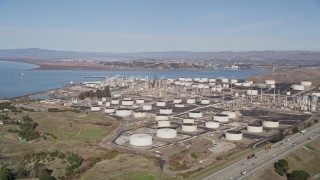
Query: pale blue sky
x=160, y=25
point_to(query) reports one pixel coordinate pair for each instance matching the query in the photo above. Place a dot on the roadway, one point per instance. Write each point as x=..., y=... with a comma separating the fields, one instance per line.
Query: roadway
x=264, y=158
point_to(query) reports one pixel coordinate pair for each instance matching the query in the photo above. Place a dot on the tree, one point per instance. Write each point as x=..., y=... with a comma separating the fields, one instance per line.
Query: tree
x=39, y=168
x=6, y=173
x=295, y=130
x=298, y=175
x=281, y=167
x=278, y=137
x=316, y=121
x=45, y=175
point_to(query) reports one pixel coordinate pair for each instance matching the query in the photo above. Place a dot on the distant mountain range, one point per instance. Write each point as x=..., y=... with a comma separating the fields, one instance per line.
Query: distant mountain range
x=45, y=54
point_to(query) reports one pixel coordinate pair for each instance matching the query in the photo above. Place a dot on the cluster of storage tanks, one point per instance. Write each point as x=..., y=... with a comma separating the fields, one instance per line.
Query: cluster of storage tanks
x=304, y=85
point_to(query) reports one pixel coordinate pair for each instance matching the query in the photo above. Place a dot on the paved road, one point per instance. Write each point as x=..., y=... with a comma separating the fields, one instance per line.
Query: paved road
x=264, y=158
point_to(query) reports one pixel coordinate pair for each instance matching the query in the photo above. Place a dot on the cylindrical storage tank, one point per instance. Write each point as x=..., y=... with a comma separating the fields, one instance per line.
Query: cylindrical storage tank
x=225, y=85
x=252, y=92
x=214, y=89
x=100, y=103
x=233, y=81
x=139, y=114
x=177, y=101
x=288, y=93
x=109, y=110
x=104, y=99
x=147, y=107
x=230, y=114
x=212, y=84
x=205, y=79
x=246, y=84
x=196, y=79
x=164, y=123
x=223, y=118
x=127, y=102
x=108, y=103
x=219, y=89
x=212, y=124
x=177, y=82
x=224, y=80
x=161, y=103
x=200, y=86
x=306, y=83
x=161, y=117
x=189, y=127
x=238, y=84
x=212, y=80
x=270, y=124
x=166, y=132
x=188, y=84
x=140, y=101
x=123, y=112
x=255, y=128
x=195, y=114
x=194, y=85
x=250, y=82
x=182, y=79
x=270, y=82
x=261, y=85
x=115, y=101
x=179, y=105
x=206, y=87
x=233, y=135
x=140, y=140
x=188, y=80
x=191, y=101
x=165, y=110
x=95, y=108
x=205, y=101
x=297, y=87
x=188, y=121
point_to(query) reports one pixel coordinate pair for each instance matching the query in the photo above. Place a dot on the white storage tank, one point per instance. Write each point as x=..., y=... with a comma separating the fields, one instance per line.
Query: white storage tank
x=205, y=101
x=196, y=79
x=224, y=80
x=108, y=103
x=189, y=127
x=166, y=132
x=246, y=84
x=140, y=101
x=139, y=114
x=252, y=92
x=212, y=124
x=161, y=103
x=165, y=110
x=95, y=108
x=270, y=82
x=104, y=99
x=223, y=118
x=115, y=101
x=200, y=86
x=212, y=80
x=233, y=81
x=147, y=107
x=188, y=80
x=177, y=101
x=297, y=87
x=188, y=84
x=231, y=114
x=164, y=123
x=109, y=110
x=233, y=135
x=127, y=102
x=225, y=85
x=306, y=83
x=238, y=84
x=188, y=121
x=123, y=112
x=270, y=124
x=191, y=101
x=255, y=128
x=195, y=114
x=261, y=85
x=288, y=93
x=161, y=117
x=179, y=105
x=100, y=103
x=182, y=79
x=140, y=140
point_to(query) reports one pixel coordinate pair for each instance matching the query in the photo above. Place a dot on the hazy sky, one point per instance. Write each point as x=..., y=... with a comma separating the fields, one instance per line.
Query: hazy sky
x=160, y=25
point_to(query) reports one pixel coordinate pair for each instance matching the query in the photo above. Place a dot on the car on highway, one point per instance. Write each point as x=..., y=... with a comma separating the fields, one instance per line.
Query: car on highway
x=243, y=172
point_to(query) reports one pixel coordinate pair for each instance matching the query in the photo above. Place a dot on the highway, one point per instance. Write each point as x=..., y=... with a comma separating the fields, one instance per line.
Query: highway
x=266, y=157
